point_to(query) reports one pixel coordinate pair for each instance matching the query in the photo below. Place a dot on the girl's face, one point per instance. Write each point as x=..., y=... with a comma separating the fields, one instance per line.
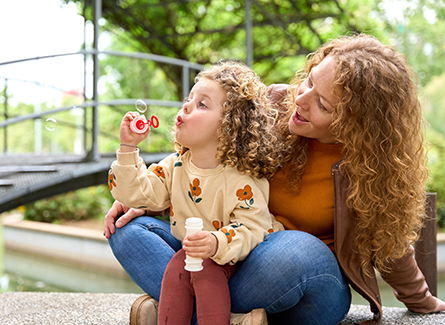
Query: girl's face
x=198, y=120
x=315, y=104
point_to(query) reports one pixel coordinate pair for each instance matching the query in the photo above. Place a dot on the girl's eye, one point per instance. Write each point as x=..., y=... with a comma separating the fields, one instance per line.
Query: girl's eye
x=202, y=105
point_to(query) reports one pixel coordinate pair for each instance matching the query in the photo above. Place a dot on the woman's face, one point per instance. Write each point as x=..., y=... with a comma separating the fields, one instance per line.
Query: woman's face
x=315, y=104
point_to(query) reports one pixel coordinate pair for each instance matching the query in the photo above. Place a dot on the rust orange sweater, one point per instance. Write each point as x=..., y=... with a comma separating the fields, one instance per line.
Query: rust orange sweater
x=310, y=209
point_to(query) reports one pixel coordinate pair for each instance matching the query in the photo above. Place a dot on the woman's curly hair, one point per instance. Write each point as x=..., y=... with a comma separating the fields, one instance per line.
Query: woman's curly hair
x=380, y=123
x=245, y=138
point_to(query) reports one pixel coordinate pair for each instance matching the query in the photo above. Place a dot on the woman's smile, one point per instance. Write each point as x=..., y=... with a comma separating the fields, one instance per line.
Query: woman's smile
x=298, y=118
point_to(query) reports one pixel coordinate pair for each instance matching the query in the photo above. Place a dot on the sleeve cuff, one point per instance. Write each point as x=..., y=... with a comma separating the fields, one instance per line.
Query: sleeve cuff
x=222, y=247
x=127, y=158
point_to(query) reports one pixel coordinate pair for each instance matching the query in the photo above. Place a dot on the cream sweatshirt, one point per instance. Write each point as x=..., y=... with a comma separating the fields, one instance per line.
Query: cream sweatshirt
x=232, y=205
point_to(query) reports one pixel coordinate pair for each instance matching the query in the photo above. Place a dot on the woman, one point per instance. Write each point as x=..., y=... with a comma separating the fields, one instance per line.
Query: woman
x=350, y=193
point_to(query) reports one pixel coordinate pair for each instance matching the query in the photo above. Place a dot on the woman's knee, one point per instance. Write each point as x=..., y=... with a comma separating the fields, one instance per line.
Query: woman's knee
x=281, y=265
x=293, y=252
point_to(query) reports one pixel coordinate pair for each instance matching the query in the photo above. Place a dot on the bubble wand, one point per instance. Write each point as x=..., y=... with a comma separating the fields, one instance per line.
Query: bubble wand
x=140, y=124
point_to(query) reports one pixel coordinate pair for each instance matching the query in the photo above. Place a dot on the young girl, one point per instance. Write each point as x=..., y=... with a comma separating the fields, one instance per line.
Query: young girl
x=219, y=174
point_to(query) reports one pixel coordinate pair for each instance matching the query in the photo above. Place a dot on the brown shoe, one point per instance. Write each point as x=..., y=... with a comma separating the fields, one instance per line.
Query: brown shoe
x=144, y=311
x=255, y=317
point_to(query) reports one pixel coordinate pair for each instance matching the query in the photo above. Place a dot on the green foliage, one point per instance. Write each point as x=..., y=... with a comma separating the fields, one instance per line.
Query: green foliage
x=419, y=34
x=205, y=31
x=433, y=99
x=87, y=203
x=61, y=137
x=436, y=165
x=434, y=103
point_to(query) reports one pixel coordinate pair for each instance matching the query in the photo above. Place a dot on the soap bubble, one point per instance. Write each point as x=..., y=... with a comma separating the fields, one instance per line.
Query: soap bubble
x=141, y=106
x=51, y=124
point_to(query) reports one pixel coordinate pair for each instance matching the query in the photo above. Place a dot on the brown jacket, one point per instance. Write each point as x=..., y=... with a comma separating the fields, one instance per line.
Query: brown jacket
x=406, y=278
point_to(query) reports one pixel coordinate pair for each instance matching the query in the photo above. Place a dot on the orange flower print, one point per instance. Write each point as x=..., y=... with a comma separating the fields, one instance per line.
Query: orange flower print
x=157, y=170
x=171, y=210
x=245, y=194
x=195, y=191
x=111, y=180
x=217, y=224
x=229, y=234
x=270, y=230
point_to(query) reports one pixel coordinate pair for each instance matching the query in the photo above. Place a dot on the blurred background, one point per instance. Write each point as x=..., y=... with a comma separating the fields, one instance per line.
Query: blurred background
x=95, y=62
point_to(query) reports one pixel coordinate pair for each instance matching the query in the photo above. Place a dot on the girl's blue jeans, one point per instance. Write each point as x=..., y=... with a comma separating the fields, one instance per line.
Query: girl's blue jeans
x=292, y=275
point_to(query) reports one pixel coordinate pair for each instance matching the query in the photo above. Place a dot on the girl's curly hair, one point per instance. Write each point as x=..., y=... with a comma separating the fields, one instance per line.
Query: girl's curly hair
x=245, y=138
x=379, y=121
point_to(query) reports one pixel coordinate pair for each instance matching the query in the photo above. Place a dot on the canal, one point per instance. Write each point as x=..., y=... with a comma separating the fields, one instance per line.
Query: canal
x=24, y=272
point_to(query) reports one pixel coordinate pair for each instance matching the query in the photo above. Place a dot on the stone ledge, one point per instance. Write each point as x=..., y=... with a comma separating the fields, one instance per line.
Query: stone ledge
x=96, y=308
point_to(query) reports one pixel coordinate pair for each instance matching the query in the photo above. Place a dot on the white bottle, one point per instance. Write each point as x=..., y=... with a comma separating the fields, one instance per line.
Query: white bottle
x=192, y=225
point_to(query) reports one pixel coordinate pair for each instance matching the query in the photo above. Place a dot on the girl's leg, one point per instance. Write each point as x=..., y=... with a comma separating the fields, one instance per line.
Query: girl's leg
x=177, y=295
x=295, y=278
x=209, y=287
x=212, y=292
x=144, y=247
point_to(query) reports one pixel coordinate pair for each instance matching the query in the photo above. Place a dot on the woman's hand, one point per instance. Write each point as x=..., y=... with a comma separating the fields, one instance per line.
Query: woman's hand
x=122, y=214
x=129, y=137
x=202, y=244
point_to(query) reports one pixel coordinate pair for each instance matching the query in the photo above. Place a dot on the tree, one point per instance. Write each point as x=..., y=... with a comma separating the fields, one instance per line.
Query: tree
x=205, y=31
x=419, y=33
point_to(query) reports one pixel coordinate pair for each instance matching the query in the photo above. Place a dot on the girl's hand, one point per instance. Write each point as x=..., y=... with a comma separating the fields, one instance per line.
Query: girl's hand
x=202, y=244
x=129, y=137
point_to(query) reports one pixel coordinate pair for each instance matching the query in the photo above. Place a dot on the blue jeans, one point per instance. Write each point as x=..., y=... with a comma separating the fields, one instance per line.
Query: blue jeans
x=291, y=274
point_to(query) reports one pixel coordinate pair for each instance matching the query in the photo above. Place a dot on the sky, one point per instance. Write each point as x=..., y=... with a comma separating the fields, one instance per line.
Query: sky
x=31, y=28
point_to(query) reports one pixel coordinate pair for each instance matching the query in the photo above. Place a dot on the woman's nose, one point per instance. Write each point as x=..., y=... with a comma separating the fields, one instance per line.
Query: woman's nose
x=304, y=99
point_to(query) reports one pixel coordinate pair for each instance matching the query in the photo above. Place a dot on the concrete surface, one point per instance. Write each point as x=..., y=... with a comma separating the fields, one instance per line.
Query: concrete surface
x=48, y=308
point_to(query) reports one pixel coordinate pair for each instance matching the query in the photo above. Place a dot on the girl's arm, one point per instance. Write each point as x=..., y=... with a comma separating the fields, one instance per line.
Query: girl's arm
x=132, y=184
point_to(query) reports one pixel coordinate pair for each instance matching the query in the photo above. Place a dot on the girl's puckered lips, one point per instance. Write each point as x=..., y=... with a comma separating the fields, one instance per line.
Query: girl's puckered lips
x=179, y=120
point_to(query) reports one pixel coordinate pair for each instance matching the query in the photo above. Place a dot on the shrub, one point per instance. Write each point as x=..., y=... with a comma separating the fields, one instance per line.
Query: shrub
x=87, y=203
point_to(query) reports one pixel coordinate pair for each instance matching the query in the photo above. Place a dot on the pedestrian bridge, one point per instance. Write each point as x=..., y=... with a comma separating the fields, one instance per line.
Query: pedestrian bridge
x=27, y=178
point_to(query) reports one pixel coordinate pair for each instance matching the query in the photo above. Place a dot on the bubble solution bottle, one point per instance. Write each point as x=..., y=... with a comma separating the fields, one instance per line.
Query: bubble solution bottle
x=193, y=225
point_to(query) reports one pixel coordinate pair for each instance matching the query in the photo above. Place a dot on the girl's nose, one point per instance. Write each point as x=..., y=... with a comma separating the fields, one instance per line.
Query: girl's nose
x=186, y=108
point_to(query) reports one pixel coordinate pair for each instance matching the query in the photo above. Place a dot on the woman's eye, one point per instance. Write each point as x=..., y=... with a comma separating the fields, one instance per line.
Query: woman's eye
x=321, y=106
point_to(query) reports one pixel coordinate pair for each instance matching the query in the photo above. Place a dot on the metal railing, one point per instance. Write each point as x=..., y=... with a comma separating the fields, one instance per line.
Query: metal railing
x=94, y=154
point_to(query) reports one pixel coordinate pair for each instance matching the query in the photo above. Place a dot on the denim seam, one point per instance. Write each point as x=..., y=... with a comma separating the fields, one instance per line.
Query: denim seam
x=149, y=227
x=303, y=282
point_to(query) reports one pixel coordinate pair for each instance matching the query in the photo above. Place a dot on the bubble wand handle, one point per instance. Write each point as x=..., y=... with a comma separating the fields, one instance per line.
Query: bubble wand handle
x=140, y=124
